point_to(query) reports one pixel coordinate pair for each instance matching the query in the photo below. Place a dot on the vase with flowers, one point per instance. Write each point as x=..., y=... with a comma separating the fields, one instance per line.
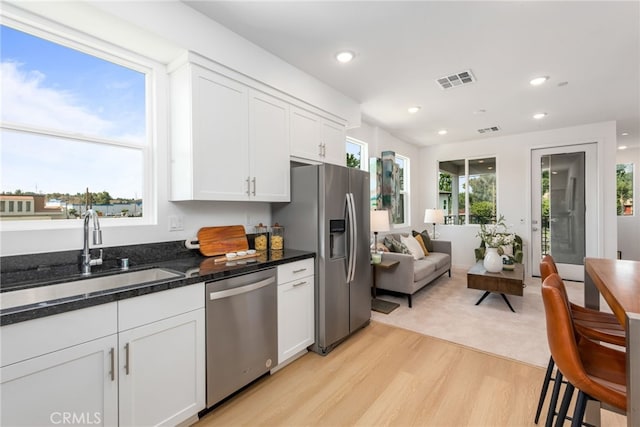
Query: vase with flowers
x=495, y=237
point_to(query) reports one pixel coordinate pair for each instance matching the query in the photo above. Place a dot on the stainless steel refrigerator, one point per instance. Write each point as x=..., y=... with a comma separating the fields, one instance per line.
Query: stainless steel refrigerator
x=329, y=214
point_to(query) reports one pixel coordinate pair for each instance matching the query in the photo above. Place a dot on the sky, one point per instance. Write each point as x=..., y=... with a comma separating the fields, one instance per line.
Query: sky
x=47, y=85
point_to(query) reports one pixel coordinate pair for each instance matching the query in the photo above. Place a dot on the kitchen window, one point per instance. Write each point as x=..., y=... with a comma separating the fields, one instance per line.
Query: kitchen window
x=75, y=116
x=357, y=154
x=467, y=191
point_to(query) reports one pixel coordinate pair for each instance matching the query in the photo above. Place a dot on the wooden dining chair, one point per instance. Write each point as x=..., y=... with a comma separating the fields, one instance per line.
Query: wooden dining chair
x=591, y=324
x=597, y=371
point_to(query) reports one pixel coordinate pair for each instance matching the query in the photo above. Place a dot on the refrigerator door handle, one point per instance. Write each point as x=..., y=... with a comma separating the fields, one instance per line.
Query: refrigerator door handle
x=354, y=246
x=349, y=238
x=352, y=237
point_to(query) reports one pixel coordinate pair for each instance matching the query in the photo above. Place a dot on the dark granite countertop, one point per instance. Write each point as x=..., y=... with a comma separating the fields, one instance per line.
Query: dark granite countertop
x=194, y=268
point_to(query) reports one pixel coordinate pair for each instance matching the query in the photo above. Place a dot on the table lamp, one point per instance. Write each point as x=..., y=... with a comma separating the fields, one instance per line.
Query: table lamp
x=434, y=216
x=379, y=222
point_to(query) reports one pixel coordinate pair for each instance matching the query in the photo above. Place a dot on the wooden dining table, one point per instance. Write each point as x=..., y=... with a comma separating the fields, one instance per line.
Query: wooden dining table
x=618, y=281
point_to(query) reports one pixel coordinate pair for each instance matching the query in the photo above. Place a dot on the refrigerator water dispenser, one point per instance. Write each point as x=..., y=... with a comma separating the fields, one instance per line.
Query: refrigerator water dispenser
x=337, y=238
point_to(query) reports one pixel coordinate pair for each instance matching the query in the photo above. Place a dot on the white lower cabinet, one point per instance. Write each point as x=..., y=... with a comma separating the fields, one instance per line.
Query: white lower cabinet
x=162, y=376
x=296, y=325
x=76, y=385
x=161, y=352
x=137, y=362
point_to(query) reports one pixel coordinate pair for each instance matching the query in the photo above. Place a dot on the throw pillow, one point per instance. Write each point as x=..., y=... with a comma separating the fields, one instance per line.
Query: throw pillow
x=424, y=248
x=396, y=246
x=413, y=246
x=382, y=248
x=387, y=243
x=426, y=239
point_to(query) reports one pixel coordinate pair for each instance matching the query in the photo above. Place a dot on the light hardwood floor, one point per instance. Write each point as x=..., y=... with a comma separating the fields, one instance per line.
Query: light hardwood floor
x=387, y=376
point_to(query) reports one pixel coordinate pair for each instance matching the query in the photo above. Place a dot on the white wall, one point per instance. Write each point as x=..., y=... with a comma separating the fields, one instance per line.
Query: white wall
x=513, y=155
x=168, y=28
x=380, y=140
x=629, y=226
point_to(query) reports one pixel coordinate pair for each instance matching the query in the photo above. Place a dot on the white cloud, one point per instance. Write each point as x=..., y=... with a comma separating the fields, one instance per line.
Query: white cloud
x=53, y=164
x=26, y=100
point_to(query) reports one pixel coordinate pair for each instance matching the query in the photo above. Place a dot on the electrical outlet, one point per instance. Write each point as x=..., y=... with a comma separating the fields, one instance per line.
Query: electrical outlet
x=176, y=223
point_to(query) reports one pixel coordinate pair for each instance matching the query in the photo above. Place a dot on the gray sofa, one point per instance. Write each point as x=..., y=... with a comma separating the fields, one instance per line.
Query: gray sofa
x=411, y=275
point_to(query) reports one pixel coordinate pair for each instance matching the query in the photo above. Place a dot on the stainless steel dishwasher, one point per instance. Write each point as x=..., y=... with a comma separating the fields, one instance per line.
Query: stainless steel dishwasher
x=242, y=333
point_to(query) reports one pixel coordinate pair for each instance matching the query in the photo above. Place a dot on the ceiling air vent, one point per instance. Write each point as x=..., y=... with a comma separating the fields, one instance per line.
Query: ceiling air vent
x=489, y=130
x=458, y=79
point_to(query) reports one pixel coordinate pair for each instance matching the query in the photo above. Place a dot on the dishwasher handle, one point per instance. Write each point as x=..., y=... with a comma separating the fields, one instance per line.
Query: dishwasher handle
x=241, y=289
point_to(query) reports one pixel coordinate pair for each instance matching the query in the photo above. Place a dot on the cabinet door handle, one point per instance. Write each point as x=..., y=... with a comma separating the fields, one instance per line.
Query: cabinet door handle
x=248, y=187
x=254, y=185
x=324, y=150
x=300, y=283
x=320, y=149
x=126, y=358
x=112, y=354
x=300, y=270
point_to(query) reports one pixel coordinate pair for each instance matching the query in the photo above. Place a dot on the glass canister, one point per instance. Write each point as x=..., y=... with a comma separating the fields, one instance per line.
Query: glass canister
x=277, y=237
x=261, y=238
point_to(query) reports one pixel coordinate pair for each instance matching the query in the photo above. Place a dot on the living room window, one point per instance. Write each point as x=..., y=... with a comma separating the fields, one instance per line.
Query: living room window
x=467, y=190
x=403, y=219
x=74, y=116
x=357, y=154
x=624, y=189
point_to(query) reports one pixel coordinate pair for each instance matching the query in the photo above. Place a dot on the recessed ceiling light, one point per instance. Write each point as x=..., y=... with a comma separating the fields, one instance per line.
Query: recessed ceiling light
x=480, y=161
x=345, y=56
x=414, y=109
x=538, y=81
x=490, y=167
x=539, y=116
x=442, y=132
x=622, y=147
x=625, y=133
x=555, y=172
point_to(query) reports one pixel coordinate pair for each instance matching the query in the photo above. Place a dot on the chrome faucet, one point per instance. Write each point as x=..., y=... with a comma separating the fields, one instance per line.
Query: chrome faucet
x=85, y=258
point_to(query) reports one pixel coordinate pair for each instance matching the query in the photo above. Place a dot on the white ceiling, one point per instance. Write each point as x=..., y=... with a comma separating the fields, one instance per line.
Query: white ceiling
x=403, y=47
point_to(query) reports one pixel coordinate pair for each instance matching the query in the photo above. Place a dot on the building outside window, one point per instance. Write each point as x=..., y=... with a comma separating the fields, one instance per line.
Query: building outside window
x=73, y=117
x=467, y=190
x=357, y=154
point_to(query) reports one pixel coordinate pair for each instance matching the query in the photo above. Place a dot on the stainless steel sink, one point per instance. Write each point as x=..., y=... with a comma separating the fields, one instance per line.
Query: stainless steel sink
x=42, y=294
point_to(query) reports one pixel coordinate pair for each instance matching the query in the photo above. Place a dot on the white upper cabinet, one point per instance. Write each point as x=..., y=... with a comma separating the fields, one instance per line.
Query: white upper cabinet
x=268, y=147
x=334, y=140
x=228, y=141
x=316, y=138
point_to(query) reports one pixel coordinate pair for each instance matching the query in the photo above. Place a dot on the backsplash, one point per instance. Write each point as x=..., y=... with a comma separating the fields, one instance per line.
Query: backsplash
x=20, y=268
x=39, y=267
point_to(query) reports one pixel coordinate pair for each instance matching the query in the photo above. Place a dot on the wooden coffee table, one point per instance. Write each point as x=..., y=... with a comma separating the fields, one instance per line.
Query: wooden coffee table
x=503, y=282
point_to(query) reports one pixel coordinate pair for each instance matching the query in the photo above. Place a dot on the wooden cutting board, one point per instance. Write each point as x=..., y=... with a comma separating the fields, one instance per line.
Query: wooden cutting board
x=221, y=240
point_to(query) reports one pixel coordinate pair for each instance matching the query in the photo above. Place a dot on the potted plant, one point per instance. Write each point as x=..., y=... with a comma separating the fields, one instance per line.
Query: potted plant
x=495, y=237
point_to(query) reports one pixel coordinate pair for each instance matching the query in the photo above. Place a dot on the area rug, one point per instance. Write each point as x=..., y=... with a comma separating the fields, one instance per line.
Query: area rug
x=382, y=306
x=446, y=309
